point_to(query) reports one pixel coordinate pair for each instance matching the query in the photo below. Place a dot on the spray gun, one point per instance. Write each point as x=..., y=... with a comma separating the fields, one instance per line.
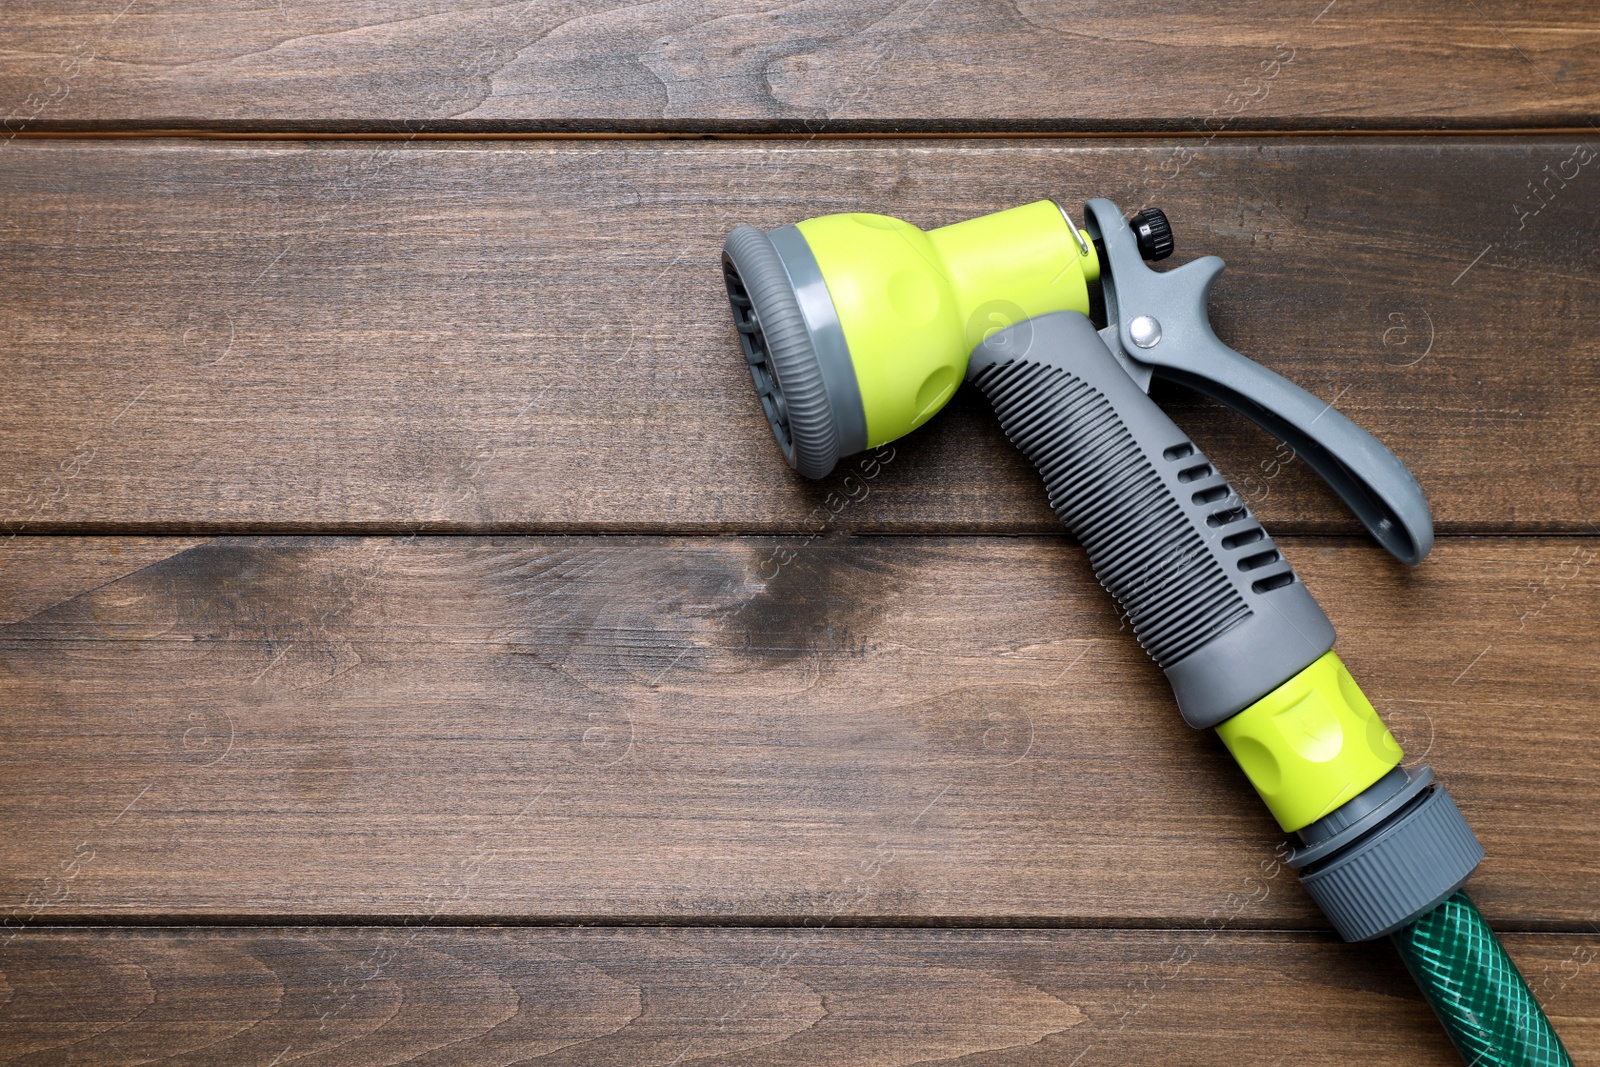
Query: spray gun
x=858, y=328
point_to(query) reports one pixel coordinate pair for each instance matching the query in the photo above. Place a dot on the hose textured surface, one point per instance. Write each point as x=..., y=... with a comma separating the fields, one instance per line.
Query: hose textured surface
x=1475, y=989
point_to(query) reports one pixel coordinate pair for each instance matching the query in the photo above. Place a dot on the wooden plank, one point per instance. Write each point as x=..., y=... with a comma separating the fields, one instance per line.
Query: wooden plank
x=880, y=729
x=797, y=996
x=762, y=65
x=37, y=572
x=532, y=337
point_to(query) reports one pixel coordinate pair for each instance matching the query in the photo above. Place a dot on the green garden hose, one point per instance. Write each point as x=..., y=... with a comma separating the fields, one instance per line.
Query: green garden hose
x=1477, y=992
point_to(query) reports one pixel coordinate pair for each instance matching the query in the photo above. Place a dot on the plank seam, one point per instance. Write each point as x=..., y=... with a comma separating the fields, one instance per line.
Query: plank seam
x=1533, y=926
x=1156, y=133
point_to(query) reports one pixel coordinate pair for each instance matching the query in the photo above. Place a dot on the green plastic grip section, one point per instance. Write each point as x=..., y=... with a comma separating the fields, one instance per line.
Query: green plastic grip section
x=1311, y=744
x=1477, y=992
x=914, y=305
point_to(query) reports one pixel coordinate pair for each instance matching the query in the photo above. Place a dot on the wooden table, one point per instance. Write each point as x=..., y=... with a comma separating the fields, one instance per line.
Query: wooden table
x=394, y=665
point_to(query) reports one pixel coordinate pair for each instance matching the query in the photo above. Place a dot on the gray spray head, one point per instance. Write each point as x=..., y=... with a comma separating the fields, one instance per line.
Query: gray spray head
x=795, y=347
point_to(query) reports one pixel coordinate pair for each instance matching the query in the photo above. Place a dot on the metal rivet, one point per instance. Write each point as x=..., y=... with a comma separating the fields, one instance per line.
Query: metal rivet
x=1145, y=331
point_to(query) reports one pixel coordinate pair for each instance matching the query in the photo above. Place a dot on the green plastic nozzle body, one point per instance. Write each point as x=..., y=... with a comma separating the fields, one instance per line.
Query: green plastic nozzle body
x=913, y=304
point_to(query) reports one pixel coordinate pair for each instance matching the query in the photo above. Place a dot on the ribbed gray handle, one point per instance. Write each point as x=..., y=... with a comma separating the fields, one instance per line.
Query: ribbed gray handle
x=1209, y=596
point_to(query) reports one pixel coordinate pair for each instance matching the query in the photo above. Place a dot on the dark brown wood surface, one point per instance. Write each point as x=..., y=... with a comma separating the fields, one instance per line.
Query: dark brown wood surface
x=410, y=65
x=605, y=728
x=805, y=996
x=533, y=337
x=896, y=799
x=41, y=572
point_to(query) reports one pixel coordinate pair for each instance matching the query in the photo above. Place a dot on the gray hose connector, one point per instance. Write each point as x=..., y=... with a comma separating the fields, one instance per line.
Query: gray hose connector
x=1387, y=856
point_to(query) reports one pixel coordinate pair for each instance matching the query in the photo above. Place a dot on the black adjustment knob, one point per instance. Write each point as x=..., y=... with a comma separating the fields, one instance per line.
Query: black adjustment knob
x=1154, y=232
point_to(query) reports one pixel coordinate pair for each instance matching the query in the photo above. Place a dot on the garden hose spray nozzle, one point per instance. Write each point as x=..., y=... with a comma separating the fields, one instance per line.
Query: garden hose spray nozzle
x=858, y=328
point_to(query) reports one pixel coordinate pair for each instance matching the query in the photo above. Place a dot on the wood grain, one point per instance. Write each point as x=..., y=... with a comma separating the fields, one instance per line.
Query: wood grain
x=883, y=729
x=38, y=572
x=798, y=996
x=765, y=65
x=532, y=337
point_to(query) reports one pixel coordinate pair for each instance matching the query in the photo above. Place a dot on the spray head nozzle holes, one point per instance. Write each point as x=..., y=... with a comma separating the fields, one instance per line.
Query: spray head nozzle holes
x=857, y=327
x=795, y=348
